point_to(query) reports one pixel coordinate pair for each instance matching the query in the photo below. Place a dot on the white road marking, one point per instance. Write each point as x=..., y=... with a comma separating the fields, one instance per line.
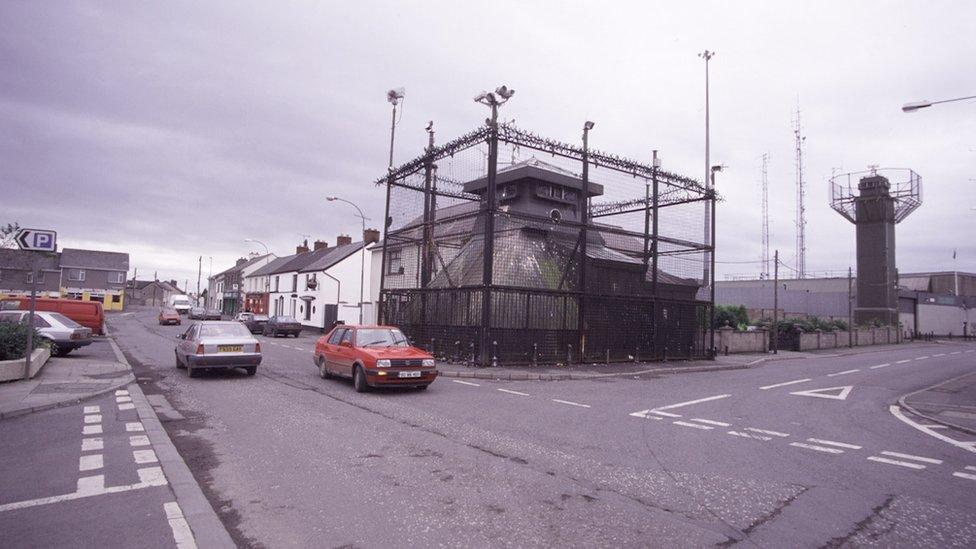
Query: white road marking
x=909, y=456
x=92, y=409
x=120, y=400
x=921, y=358
x=94, y=418
x=749, y=435
x=690, y=402
x=964, y=475
x=970, y=351
x=665, y=414
x=784, y=384
x=138, y=440
x=177, y=523
x=938, y=355
x=121, y=392
x=151, y=476
x=643, y=414
x=765, y=432
x=91, y=430
x=903, y=361
x=92, y=444
x=955, y=352
x=571, y=403
x=842, y=392
x=885, y=365
x=126, y=406
x=832, y=443
x=144, y=456
x=896, y=462
x=695, y=425
x=466, y=383
x=896, y=411
x=94, y=486
x=711, y=422
x=823, y=449
x=844, y=372
x=971, y=467
x=511, y=392
x=90, y=462
x=134, y=427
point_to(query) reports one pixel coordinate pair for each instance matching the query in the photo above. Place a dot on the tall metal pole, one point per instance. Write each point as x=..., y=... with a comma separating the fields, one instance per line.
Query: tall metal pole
x=850, y=305
x=362, y=260
x=199, y=273
x=30, y=319
x=655, y=202
x=380, y=316
x=489, y=238
x=775, y=332
x=712, y=264
x=707, y=55
x=583, y=206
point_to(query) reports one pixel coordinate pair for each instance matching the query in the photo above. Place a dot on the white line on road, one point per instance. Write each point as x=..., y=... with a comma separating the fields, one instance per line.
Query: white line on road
x=665, y=414
x=964, y=475
x=765, y=432
x=823, y=449
x=695, y=425
x=571, y=403
x=749, y=435
x=955, y=352
x=832, y=443
x=971, y=351
x=95, y=418
x=903, y=361
x=971, y=467
x=90, y=462
x=711, y=422
x=134, y=427
x=139, y=440
x=896, y=411
x=121, y=399
x=938, y=355
x=144, y=456
x=177, y=523
x=91, y=430
x=94, y=486
x=643, y=414
x=466, y=383
x=921, y=358
x=92, y=444
x=885, y=365
x=92, y=409
x=909, y=456
x=896, y=462
x=690, y=402
x=784, y=384
x=121, y=392
x=511, y=392
x=126, y=406
x=844, y=372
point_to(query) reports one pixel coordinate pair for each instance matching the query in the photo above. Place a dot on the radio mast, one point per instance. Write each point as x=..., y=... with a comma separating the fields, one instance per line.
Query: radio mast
x=765, y=217
x=801, y=217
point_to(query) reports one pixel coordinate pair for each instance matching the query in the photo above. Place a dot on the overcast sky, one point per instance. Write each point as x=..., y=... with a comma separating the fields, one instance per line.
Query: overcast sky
x=172, y=130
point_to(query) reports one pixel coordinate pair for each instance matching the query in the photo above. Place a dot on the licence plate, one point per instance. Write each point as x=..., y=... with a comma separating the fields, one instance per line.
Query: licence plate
x=409, y=374
x=229, y=348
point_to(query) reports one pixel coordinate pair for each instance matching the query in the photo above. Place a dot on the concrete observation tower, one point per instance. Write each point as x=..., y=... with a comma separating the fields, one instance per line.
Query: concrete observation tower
x=881, y=199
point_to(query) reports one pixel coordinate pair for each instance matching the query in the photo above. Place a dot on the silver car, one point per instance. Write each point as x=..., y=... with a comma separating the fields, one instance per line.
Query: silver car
x=217, y=344
x=63, y=334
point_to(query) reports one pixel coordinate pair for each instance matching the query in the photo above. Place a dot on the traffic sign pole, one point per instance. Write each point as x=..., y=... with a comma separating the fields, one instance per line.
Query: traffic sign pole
x=30, y=321
x=34, y=240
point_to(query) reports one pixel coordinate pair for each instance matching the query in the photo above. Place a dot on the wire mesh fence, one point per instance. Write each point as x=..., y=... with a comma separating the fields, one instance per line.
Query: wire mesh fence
x=503, y=246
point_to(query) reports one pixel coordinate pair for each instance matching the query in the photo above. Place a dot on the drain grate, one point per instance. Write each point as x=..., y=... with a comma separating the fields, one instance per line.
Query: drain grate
x=50, y=388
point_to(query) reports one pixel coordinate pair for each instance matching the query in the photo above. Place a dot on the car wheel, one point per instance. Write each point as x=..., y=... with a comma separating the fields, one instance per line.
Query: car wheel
x=56, y=350
x=251, y=370
x=422, y=387
x=323, y=369
x=194, y=372
x=359, y=380
x=178, y=363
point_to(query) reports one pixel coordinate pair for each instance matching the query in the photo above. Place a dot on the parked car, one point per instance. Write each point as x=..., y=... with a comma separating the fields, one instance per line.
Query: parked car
x=217, y=344
x=286, y=325
x=254, y=322
x=373, y=356
x=197, y=313
x=169, y=316
x=87, y=313
x=213, y=314
x=64, y=334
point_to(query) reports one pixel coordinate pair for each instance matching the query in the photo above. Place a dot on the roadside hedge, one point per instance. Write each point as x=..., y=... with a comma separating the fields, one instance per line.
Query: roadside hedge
x=13, y=340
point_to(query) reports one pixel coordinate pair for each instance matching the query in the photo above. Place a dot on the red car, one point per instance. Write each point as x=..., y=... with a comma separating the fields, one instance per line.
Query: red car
x=373, y=356
x=169, y=316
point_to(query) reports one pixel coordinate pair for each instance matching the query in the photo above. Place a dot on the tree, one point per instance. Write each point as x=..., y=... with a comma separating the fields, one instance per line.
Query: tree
x=735, y=316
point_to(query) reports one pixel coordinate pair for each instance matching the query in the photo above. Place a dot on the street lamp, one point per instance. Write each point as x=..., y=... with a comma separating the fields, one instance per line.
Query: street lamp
x=494, y=100
x=266, y=251
x=362, y=261
x=267, y=278
x=916, y=105
x=394, y=96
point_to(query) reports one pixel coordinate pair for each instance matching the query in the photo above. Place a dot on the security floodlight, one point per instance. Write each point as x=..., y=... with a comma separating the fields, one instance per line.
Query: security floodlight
x=332, y=198
x=430, y=125
x=504, y=92
x=485, y=98
x=588, y=125
x=395, y=95
x=912, y=107
x=718, y=168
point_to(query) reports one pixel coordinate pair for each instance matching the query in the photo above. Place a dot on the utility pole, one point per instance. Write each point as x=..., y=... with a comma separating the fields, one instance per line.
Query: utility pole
x=850, y=311
x=707, y=55
x=199, y=273
x=765, y=217
x=775, y=332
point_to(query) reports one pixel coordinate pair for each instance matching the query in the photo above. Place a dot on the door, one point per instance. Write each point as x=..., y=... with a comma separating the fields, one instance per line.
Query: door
x=331, y=349
x=345, y=353
x=184, y=348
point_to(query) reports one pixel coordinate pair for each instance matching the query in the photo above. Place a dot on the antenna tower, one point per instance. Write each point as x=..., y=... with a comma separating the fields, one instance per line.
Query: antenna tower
x=765, y=217
x=801, y=212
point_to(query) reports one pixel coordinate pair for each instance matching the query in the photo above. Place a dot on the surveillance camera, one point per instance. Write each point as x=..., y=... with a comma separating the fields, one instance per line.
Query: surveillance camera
x=430, y=125
x=481, y=97
x=504, y=92
x=588, y=125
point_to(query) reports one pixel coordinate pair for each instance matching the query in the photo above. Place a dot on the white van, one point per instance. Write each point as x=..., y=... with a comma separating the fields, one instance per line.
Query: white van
x=180, y=302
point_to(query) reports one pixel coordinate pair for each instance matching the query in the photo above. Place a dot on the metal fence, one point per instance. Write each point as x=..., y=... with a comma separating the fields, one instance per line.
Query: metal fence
x=502, y=246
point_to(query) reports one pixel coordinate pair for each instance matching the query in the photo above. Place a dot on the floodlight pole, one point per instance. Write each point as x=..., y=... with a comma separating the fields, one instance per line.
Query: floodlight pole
x=380, y=319
x=712, y=261
x=583, y=202
x=707, y=55
x=489, y=236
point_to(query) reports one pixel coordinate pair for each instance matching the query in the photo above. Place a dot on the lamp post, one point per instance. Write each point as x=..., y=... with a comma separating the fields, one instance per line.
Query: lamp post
x=394, y=96
x=267, y=278
x=362, y=261
x=707, y=55
x=916, y=105
x=711, y=321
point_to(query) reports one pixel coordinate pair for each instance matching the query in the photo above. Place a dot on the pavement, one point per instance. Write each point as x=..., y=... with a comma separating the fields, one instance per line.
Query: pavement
x=951, y=403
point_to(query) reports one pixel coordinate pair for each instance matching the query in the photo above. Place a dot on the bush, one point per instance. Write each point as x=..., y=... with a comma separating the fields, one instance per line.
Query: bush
x=731, y=315
x=13, y=340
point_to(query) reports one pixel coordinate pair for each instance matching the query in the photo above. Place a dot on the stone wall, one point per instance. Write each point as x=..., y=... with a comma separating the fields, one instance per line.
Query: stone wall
x=729, y=341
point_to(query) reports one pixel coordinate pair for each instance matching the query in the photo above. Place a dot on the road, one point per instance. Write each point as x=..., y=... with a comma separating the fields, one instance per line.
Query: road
x=805, y=453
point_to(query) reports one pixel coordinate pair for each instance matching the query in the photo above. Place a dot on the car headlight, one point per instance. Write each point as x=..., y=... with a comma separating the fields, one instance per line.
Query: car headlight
x=382, y=363
x=428, y=362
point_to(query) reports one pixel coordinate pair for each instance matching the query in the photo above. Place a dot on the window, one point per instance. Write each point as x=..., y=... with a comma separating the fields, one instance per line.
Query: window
x=394, y=262
x=117, y=298
x=40, y=278
x=76, y=275
x=510, y=190
x=336, y=336
x=294, y=282
x=116, y=277
x=276, y=282
x=347, y=336
x=308, y=311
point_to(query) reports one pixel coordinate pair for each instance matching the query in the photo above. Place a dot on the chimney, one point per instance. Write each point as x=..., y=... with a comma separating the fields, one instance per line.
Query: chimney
x=370, y=236
x=303, y=248
x=343, y=239
x=321, y=245
x=173, y=283
x=241, y=261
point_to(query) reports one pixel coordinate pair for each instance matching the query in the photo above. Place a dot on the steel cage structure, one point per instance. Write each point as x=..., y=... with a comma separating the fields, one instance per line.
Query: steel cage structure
x=572, y=255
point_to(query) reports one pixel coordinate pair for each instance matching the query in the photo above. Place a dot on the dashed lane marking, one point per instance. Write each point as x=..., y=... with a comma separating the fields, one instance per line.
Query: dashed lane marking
x=749, y=435
x=767, y=432
x=134, y=427
x=95, y=418
x=938, y=355
x=832, y=443
x=126, y=406
x=971, y=467
x=690, y=402
x=921, y=357
x=909, y=456
x=92, y=409
x=896, y=462
x=955, y=352
x=823, y=449
x=466, y=383
x=92, y=444
x=784, y=384
x=694, y=425
x=91, y=430
x=964, y=475
x=121, y=399
x=844, y=372
x=712, y=422
x=885, y=365
x=90, y=462
x=139, y=440
x=177, y=523
x=511, y=392
x=644, y=414
x=122, y=392
x=144, y=456
x=570, y=403
x=903, y=361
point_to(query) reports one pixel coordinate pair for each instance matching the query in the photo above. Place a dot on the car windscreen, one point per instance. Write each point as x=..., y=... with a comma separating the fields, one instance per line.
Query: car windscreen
x=381, y=337
x=224, y=330
x=65, y=320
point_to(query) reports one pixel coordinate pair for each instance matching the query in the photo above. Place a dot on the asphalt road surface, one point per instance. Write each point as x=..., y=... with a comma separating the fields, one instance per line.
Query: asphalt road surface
x=805, y=453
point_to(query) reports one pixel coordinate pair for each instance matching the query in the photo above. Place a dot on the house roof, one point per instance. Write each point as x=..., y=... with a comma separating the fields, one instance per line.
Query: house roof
x=334, y=255
x=533, y=168
x=302, y=260
x=242, y=266
x=272, y=266
x=12, y=258
x=94, y=259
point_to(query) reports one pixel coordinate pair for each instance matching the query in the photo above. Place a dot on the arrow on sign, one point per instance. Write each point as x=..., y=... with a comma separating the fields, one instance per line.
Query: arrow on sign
x=37, y=240
x=835, y=393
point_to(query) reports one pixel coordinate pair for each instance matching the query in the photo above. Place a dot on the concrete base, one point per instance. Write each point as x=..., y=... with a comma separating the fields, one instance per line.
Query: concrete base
x=14, y=369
